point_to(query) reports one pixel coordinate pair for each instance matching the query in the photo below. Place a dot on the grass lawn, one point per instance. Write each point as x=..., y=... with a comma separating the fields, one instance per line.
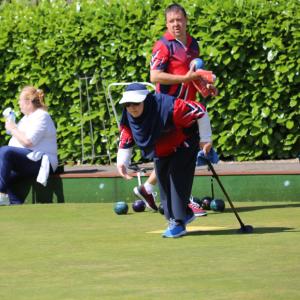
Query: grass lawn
x=86, y=251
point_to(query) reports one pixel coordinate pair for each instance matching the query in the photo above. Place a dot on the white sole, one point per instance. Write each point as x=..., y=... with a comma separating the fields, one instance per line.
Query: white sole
x=136, y=192
x=182, y=233
x=200, y=215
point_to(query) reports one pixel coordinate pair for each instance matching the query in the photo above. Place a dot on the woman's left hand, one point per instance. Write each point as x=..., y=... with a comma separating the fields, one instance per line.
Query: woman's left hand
x=205, y=146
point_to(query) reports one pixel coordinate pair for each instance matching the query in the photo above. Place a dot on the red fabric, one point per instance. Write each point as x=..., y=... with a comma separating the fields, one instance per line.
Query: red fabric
x=172, y=57
x=206, y=75
x=187, y=112
x=202, y=85
x=126, y=139
x=168, y=143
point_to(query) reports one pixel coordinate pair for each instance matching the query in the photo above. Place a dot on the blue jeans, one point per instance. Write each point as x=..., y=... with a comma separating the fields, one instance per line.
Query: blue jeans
x=14, y=165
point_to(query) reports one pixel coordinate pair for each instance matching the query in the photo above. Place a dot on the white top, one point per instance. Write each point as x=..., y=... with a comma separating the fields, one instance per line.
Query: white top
x=40, y=130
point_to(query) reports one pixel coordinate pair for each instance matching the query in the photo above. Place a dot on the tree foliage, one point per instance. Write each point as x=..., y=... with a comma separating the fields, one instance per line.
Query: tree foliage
x=75, y=50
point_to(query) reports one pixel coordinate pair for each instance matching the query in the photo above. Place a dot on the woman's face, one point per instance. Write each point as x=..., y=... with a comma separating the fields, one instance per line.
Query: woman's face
x=135, y=109
x=25, y=104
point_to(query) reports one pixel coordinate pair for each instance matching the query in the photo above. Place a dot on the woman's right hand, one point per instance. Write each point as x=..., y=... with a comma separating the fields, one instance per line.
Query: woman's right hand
x=10, y=125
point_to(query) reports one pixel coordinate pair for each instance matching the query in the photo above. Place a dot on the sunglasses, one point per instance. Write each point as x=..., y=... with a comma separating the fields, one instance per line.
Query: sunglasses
x=128, y=104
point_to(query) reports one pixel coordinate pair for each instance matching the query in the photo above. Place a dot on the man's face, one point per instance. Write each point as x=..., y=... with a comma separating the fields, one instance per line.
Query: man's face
x=176, y=24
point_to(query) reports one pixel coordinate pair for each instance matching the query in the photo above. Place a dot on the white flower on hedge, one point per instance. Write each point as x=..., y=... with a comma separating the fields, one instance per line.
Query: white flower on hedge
x=77, y=7
x=271, y=55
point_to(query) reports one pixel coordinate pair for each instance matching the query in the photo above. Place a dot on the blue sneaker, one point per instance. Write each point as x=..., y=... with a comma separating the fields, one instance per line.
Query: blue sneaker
x=174, y=230
x=189, y=219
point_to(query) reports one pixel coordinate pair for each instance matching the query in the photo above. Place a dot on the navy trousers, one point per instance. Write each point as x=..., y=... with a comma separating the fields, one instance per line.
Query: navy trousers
x=14, y=165
x=175, y=175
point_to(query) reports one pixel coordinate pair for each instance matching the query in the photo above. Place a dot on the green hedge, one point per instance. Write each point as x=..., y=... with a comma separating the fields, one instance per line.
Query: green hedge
x=74, y=53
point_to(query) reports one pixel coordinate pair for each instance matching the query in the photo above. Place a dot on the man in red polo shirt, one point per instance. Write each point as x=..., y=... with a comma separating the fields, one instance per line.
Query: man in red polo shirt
x=171, y=72
x=172, y=55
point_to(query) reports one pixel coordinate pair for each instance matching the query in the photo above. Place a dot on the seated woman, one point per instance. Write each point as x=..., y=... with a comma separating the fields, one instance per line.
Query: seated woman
x=167, y=130
x=32, y=149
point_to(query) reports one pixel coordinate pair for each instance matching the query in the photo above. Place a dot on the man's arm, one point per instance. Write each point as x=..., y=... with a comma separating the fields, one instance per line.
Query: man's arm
x=159, y=76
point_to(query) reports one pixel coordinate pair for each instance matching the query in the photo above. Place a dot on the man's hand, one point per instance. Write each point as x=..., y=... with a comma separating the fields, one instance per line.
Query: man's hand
x=123, y=171
x=212, y=89
x=191, y=75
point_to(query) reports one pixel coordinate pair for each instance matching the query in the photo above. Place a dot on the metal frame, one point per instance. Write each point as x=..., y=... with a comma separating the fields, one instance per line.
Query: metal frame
x=93, y=155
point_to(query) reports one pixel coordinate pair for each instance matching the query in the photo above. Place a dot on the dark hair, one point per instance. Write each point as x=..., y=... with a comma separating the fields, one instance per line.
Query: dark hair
x=175, y=7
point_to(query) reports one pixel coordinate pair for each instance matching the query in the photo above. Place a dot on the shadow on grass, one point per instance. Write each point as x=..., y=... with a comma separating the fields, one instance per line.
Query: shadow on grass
x=257, y=230
x=258, y=207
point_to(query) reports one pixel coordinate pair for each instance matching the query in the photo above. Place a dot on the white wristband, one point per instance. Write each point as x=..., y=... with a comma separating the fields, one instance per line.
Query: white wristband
x=124, y=157
x=204, y=128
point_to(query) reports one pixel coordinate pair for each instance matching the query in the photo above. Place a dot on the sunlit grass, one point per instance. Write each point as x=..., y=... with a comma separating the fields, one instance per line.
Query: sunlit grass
x=85, y=251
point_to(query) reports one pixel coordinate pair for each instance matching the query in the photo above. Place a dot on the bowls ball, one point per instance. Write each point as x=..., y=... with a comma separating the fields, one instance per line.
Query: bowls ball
x=217, y=205
x=121, y=208
x=206, y=202
x=196, y=64
x=138, y=206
